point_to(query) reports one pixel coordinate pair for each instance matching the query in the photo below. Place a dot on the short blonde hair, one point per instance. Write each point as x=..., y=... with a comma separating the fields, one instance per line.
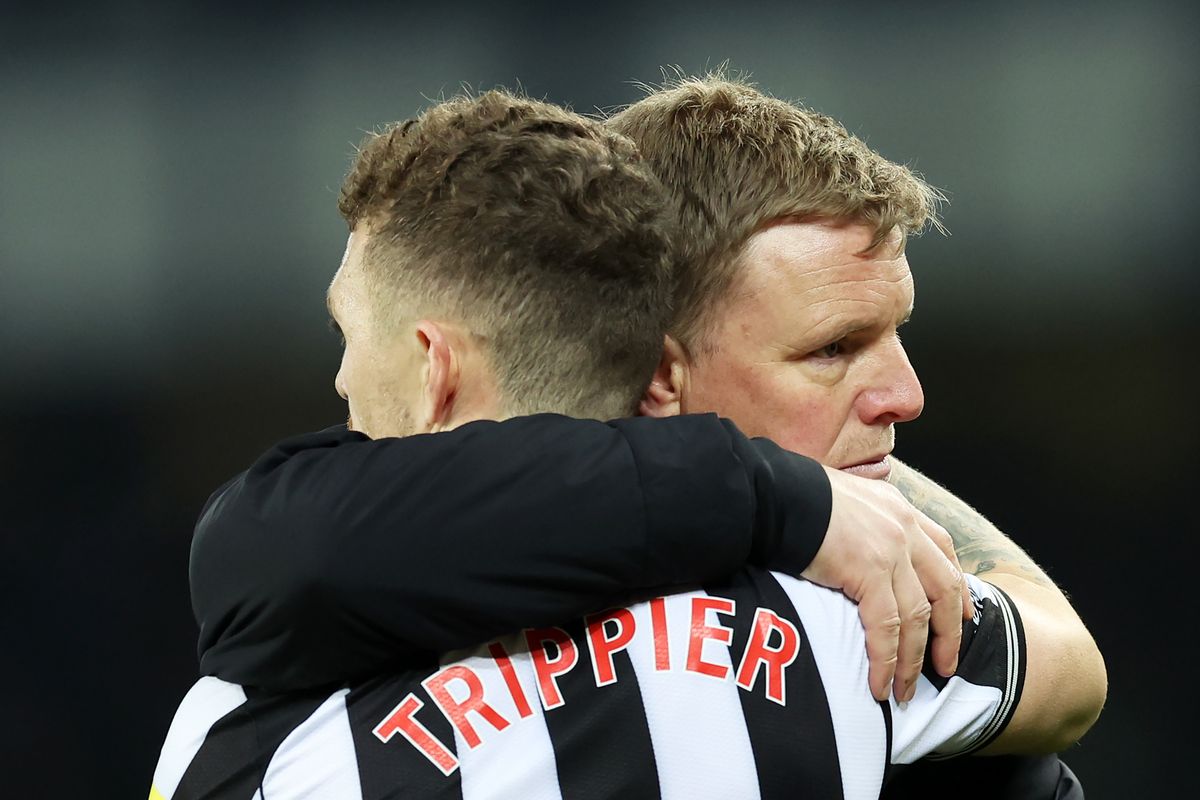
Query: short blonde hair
x=541, y=230
x=734, y=159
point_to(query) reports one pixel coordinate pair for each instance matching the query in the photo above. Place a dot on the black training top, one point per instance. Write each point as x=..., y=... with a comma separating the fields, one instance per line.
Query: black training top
x=335, y=557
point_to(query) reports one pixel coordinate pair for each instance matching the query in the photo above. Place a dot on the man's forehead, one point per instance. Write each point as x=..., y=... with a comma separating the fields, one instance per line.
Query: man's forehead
x=819, y=256
x=336, y=286
x=354, y=239
x=821, y=243
x=800, y=276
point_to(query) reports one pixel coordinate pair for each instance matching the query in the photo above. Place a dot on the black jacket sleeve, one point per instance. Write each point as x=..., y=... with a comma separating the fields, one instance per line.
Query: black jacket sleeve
x=335, y=557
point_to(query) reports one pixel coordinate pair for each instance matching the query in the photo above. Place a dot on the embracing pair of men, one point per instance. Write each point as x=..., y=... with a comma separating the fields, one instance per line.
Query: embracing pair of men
x=477, y=588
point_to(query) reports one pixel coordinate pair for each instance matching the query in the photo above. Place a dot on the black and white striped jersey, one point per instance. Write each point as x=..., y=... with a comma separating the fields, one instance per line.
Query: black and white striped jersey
x=756, y=688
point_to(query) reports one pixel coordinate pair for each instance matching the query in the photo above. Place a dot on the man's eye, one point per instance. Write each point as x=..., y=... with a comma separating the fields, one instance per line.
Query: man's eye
x=831, y=350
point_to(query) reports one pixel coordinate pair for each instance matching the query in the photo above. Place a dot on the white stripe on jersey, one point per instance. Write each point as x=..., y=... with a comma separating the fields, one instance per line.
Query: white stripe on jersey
x=697, y=725
x=317, y=759
x=839, y=647
x=952, y=721
x=205, y=703
x=488, y=771
x=697, y=728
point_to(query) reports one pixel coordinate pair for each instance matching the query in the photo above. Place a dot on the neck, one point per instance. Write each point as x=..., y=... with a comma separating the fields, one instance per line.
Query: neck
x=477, y=398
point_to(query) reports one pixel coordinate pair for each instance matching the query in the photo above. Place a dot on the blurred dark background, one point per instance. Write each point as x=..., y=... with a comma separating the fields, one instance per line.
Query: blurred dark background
x=168, y=176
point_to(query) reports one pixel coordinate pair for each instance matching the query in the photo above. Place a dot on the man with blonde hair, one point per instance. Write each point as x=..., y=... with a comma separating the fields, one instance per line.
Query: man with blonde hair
x=851, y=381
x=792, y=284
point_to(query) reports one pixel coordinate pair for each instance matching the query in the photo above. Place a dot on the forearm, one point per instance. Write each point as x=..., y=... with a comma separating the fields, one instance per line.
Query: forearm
x=981, y=547
x=1066, y=679
x=336, y=556
x=1066, y=682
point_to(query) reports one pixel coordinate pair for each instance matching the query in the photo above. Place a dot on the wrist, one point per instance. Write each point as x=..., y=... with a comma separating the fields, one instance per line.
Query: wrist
x=794, y=504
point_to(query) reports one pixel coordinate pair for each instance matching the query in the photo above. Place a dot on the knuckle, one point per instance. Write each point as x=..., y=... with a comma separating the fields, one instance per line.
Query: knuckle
x=877, y=564
x=891, y=493
x=888, y=663
x=921, y=613
x=955, y=584
x=894, y=536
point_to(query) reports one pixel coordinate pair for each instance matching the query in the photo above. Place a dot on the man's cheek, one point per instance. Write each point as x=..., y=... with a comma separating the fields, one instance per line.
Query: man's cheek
x=806, y=422
x=720, y=389
x=805, y=440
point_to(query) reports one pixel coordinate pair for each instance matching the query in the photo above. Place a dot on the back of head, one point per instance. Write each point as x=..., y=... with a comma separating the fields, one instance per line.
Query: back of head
x=734, y=160
x=539, y=230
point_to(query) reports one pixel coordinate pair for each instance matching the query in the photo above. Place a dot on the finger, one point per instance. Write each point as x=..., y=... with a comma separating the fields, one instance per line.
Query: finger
x=942, y=584
x=968, y=606
x=939, y=536
x=881, y=622
x=914, y=630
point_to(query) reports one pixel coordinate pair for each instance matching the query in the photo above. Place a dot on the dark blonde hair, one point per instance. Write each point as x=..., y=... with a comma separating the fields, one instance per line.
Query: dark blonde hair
x=539, y=229
x=734, y=160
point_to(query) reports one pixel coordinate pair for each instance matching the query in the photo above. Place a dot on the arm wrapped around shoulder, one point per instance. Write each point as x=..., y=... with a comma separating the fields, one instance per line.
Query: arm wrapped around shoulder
x=335, y=556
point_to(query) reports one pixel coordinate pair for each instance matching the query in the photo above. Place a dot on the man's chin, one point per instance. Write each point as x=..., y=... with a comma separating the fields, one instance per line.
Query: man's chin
x=875, y=470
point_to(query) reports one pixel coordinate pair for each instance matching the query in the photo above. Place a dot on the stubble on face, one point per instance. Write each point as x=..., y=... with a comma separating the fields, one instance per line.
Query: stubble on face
x=805, y=349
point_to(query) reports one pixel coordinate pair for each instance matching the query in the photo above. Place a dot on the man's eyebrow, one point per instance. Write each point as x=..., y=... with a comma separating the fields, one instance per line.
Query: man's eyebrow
x=333, y=323
x=829, y=333
x=330, y=306
x=848, y=328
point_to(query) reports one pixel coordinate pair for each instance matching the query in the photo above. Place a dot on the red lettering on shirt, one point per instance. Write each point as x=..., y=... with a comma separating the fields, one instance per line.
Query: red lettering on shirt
x=548, y=669
x=701, y=631
x=456, y=710
x=500, y=655
x=603, y=648
x=401, y=720
x=658, y=622
x=775, y=660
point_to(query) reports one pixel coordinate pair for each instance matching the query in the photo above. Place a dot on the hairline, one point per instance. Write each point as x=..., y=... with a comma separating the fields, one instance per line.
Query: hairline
x=701, y=338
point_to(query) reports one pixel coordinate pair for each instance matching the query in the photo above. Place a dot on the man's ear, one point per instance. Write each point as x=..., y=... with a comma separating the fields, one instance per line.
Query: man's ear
x=665, y=395
x=440, y=376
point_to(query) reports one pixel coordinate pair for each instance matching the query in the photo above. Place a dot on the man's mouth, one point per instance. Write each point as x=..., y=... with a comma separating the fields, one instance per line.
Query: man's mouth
x=876, y=467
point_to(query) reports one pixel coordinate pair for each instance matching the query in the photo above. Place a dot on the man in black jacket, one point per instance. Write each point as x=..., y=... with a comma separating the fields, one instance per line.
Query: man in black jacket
x=862, y=362
x=583, y=345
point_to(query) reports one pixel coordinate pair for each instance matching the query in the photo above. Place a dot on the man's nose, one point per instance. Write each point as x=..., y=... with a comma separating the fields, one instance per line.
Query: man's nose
x=895, y=394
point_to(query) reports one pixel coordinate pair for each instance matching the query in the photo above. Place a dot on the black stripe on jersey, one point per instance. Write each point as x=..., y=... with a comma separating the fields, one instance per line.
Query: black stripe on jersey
x=886, y=707
x=235, y=754
x=395, y=769
x=993, y=654
x=930, y=672
x=1015, y=680
x=600, y=735
x=795, y=750
x=988, y=642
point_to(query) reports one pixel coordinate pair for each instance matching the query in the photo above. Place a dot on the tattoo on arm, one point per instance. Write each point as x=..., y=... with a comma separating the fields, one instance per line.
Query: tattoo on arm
x=980, y=545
